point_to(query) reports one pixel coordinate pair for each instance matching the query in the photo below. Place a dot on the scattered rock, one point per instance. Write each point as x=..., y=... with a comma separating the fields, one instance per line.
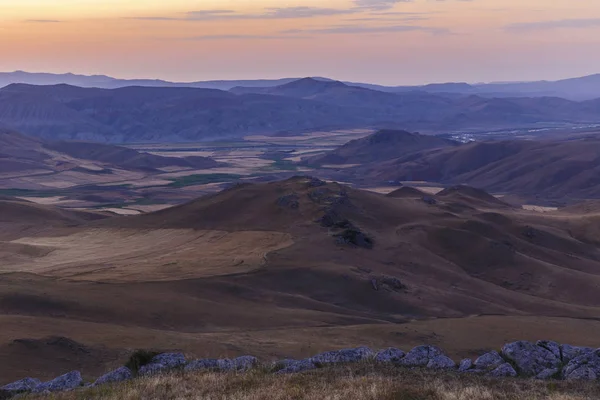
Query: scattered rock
x=342, y=356
x=551, y=346
x=489, y=361
x=503, y=371
x=169, y=360
x=391, y=355
x=326, y=196
x=390, y=282
x=441, y=362
x=204, y=364
x=289, y=201
x=354, y=237
x=119, y=375
x=296, y=366
x=529, y=358
x=331, y=219
x=64, y=382
x=570, y=352
x=420, y=356
x=548, y=373
x=465, y=365
x=22, y=386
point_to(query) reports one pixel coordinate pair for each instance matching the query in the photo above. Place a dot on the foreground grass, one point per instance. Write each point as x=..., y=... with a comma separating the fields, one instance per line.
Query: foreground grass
x=367, y=382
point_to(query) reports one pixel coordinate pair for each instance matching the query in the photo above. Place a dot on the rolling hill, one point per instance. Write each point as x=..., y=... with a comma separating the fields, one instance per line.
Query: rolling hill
x=383, y=145
x=259, y=268
x=19, y=153
x=563, y=170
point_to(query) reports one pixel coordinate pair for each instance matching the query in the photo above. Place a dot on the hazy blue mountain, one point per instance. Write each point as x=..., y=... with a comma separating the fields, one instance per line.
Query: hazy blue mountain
x=581, y=88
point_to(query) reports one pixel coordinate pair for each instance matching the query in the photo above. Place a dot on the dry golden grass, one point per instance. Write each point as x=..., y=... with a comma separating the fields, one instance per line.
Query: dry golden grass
x=363, y=381
x=152, y=255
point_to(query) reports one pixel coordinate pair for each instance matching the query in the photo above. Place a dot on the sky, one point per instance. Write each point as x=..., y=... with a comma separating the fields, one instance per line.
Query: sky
x=392, y=42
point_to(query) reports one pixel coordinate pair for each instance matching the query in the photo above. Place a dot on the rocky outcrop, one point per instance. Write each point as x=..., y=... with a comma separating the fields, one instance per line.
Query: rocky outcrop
x=465, y=365
x=503, y=371
x=542, y=360
x=162, y=363
x=23, y=386
x=65, y=382
x=343, y=356
x=421, y=356
x=569, y=352
x=583, y=367
x=294, y=366
x=489, y=361
x=202, y=365
x=391, y=355
x=119, y=375
x=529, y=358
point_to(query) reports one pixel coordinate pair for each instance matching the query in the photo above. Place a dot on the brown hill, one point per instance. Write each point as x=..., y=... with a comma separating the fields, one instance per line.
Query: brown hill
x=407, y=192
x=259, y=268
x=21, y=153
x=383, y=145
x=127, y=158
x=471, y=196
x=544, y=169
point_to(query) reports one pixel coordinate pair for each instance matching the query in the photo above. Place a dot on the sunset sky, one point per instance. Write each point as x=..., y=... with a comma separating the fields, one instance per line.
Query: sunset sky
x=380, y=41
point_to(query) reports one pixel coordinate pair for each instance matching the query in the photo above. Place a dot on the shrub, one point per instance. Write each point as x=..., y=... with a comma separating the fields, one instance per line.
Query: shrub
x=138, y=359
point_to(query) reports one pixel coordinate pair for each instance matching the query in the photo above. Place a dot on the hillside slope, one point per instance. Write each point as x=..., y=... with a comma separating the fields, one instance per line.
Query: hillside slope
x=383, y=145
x=259, y=268
x=548, y=169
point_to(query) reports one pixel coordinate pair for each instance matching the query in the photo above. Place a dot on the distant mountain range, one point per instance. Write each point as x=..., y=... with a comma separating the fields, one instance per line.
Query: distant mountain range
x=581, y=88
x=175, y=114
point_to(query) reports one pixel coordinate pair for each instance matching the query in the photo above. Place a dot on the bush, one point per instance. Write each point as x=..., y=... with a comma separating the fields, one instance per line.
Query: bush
x=138, y=359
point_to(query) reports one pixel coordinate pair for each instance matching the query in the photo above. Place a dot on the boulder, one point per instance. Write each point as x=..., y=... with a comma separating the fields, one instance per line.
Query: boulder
x=503, y=371
x=529, y=358
x=342, y=356
x=441, y=362
x=22, y=386
x=296, y=366
x=585, y=363
x=551, y=346
x=69, y=381
x=570, y=352
x=583, y=374
x=489, y=361
x=153, y=369
x=169, y=360
x=201, y=365
x=119, y=375
x=244, y=363
x=391, y=355
x=548, y=373
x=465, y=365
x=420, y=356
